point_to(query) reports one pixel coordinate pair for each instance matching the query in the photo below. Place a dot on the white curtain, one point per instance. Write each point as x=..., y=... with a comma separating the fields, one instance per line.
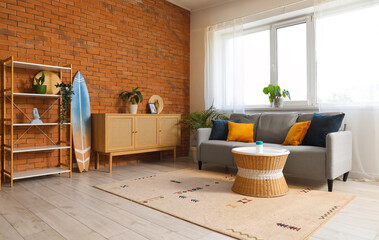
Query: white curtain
x=347, y=53
x=224, y=67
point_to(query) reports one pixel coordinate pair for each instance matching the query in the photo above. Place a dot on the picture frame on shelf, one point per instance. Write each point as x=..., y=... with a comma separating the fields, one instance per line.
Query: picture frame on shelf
x=153, y=108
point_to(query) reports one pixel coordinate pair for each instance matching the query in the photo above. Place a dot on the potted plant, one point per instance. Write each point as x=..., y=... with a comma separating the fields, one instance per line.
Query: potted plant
x=134, y=97
x=39, y=87
x=275, y=95
x=66, y=93
x=202, y=119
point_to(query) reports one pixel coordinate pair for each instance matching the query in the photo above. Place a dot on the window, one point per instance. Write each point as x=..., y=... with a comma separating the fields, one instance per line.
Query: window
x=348, y=58
x=257, y=75
x=292, y=60
x=243, y=58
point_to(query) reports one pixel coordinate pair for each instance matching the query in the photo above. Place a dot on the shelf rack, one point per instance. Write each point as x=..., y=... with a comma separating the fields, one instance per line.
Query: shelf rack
x=8, y=124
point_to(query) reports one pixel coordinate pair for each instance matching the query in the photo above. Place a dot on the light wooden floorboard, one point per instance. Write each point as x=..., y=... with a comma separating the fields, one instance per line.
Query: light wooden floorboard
x=47, y=234
x=7, y=231
x=21, y=219
x=57, y=207
x=76, y=209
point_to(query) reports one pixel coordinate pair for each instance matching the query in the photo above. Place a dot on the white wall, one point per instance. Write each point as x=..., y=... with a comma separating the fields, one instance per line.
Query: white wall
x=228, y=11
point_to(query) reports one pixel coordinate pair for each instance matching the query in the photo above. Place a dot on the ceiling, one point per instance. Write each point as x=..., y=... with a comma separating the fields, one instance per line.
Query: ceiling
x=194, y=5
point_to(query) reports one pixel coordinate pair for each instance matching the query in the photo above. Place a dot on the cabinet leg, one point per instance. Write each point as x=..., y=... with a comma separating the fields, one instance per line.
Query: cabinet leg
x=175, y=155
x=110, y=163
x=97, y=160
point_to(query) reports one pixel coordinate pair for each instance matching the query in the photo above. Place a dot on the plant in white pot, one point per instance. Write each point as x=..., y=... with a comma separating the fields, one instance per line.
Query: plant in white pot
x=134, y=97
x=275, y=95
x=196, y=120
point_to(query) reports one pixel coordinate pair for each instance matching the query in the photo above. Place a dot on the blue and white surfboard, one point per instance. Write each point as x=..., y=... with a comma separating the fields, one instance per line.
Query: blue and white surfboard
x=81, y=122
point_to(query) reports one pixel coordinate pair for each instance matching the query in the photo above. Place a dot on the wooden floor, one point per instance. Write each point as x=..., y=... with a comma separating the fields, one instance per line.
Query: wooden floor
x=58, y=207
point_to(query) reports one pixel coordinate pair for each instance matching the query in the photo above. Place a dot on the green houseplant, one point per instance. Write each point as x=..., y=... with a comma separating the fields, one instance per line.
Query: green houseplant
x=39, y=87
x=64, y=110
x=275, y=95
x=201, y=119
x=134, y=97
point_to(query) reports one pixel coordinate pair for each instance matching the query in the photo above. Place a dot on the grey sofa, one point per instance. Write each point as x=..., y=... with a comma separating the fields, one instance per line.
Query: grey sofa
x=304, y=161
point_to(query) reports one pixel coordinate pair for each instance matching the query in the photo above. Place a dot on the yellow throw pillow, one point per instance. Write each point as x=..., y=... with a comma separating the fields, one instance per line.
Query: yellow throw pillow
x=297, y=133
x=241, y=132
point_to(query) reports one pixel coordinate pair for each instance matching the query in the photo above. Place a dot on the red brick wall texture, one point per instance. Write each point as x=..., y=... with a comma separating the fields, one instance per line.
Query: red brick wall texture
x=116, y=44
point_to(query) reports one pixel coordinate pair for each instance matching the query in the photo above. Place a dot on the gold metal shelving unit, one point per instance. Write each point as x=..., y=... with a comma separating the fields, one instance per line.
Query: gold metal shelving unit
x=8, y=145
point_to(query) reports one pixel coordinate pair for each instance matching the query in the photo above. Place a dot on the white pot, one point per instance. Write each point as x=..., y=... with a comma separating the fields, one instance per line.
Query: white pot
x=133, y=108
x=194, y=154
x=278, y=102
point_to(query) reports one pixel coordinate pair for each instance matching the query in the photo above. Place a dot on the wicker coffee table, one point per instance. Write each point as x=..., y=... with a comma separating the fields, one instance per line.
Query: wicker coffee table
x=260, y=174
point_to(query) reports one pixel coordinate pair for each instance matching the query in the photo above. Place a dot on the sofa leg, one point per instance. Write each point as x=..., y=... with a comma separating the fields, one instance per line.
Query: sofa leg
x=345, y=176
x=200, y=164
x=330, y=185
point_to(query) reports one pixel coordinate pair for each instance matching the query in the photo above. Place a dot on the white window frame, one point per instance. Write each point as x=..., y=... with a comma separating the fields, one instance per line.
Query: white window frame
x=311, y=61
x=311, y=86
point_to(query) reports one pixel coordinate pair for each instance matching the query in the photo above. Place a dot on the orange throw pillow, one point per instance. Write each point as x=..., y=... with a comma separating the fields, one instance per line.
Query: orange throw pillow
x=297, y=133
x=240, y=132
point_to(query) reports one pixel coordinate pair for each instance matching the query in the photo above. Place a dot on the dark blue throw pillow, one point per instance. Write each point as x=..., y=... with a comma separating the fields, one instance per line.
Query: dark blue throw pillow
x=322, y=125
x=220, y=129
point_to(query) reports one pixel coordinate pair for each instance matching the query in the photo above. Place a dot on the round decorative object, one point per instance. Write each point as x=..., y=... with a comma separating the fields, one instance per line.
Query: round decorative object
x=158, y=101
x=51, y=79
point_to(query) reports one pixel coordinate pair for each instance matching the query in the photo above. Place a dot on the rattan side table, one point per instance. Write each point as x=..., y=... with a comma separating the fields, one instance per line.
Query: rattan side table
x=260, y=174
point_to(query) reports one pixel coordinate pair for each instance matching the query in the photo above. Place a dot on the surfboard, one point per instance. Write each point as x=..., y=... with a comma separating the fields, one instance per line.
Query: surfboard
x=81, y=122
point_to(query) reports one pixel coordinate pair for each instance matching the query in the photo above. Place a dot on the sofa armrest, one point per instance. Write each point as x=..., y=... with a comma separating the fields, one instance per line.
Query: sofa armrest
x=339, y=153
x=203, y=134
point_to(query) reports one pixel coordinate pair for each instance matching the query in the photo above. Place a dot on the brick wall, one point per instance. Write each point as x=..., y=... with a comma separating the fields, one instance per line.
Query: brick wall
x=116, y=44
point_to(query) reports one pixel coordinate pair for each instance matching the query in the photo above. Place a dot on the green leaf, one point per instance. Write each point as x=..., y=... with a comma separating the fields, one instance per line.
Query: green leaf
x=286, y=93
x=277, y=92
x=271, y=88
x=139, y=96
x=270, y=99
x=135, y=99
x=265, y=90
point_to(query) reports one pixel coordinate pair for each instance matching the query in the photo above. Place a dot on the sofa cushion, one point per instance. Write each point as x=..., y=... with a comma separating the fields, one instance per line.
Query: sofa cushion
x=217, y=151
x=297, y=133
x=303, y=117
x=220, y=152
x=241, y=132
x=306, y=161
x=243, y=118
x=220, y=129
x=320, y=127
x=273, y=127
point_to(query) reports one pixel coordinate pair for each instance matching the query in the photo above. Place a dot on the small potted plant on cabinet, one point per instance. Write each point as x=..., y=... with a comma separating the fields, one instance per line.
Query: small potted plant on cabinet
x=39, y=87
x=134, y=97
x=275, y=95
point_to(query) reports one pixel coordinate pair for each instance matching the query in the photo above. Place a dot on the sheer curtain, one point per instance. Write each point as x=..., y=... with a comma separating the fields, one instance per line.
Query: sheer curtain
x=347, y=51
x=224, y=67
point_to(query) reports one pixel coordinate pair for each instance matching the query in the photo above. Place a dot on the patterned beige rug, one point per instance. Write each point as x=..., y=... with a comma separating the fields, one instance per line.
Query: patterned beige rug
x=206, y=199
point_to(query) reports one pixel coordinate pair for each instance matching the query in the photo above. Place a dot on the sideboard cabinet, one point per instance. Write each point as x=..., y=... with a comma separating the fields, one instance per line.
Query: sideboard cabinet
x=123, y=134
